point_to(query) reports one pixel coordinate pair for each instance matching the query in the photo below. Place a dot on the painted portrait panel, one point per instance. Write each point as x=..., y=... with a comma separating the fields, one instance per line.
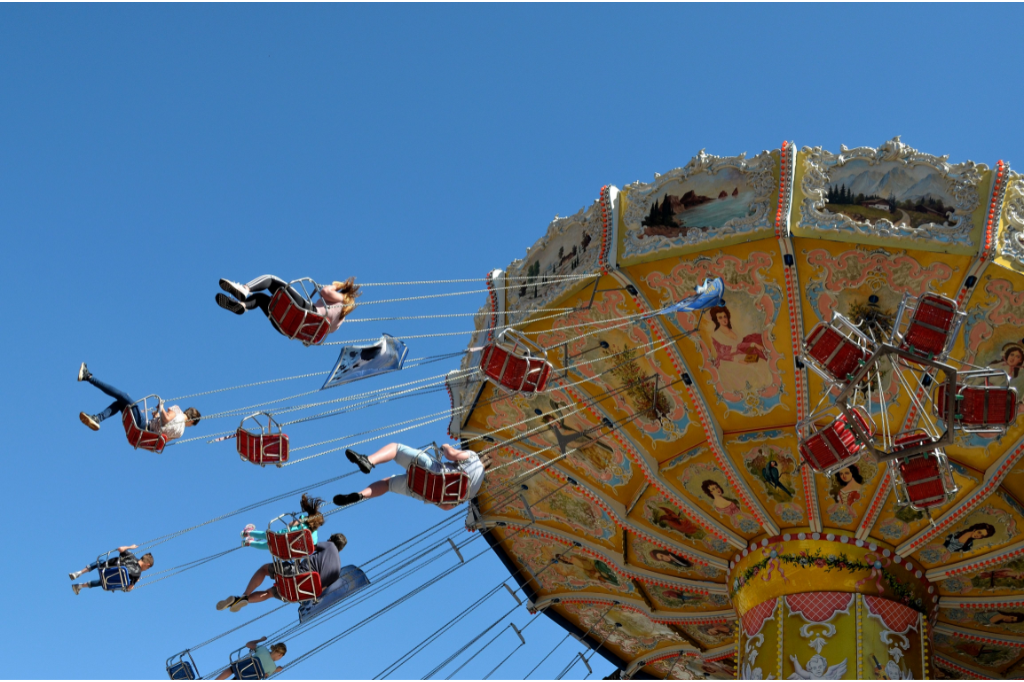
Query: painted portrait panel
x=700, y=479
x=988, y=527
x=770, y=467
x=1004, y=620
x=660, y=514
x=556, y=569
x=640, y=552
x=631, y=631
x=675, y=599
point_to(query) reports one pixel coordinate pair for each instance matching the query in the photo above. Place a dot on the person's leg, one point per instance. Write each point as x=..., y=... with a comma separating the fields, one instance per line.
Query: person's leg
x=261, y=595
x=266, y=283
x=260, y=300
x=121, y=399
x=257, y=579
x=258, y=544
x=375, y=489
x=226, y=674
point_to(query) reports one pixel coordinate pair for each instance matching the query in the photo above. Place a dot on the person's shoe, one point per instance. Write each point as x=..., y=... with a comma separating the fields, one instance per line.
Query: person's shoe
x=239, y=603
x=89, y=421
x=84, y=373
x=250, y=304
x=228, y=303
x=351, y=498
x=246, y=541
x=76, y=588
x=225, y=603
x=239, y=291
x=248, y=529
x=361, y=460
x=76, y=575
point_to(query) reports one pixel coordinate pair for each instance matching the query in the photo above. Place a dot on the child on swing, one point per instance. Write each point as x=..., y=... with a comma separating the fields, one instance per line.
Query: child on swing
x=310, y=519
x=336, y=302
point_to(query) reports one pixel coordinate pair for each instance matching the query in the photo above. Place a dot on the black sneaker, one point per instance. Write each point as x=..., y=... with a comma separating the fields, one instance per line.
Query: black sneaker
x=362, y=461
x=345, y=500
x=228, y=303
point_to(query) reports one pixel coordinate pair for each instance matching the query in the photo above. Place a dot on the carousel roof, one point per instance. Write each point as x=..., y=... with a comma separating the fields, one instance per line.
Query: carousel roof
x=665, y=446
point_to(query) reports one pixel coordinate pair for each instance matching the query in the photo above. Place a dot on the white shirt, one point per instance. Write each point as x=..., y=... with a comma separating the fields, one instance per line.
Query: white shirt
x=172, y=429
x=473, y=468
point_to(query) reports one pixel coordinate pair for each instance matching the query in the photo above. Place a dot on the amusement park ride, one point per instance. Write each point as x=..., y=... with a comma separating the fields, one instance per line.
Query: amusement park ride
x=755, y=419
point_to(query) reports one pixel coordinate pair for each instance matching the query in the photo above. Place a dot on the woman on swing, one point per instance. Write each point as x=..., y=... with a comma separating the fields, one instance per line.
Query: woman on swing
x=336, y=302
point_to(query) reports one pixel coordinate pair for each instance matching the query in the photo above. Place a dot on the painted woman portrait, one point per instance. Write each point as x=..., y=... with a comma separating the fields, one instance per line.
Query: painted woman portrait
x=668, y=557
x=846, y=485
x=1013, y=358
x=740, y=361
x=1000, y=618
x=963, y=540
x=722, y=504
x=596, y=570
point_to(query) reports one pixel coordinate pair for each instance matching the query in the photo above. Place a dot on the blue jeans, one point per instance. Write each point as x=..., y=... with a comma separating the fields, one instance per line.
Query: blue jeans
x=121, y=401
x=93, y=566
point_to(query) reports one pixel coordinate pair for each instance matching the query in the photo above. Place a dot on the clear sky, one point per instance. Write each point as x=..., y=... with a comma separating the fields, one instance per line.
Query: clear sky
x=146, y=151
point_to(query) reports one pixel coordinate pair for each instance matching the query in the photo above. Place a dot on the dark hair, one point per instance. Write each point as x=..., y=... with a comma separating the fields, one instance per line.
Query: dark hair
x=706, y=485
x=713, y=314
x=339, y=541
x=280, y=646
x=193, y=415
x=148, y=558
x=989, y=529
x=311, y=505
x=854, y=472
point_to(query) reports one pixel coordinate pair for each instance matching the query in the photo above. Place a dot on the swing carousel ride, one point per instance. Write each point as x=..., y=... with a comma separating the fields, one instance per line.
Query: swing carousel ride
x=818, y=475
x=756, y=418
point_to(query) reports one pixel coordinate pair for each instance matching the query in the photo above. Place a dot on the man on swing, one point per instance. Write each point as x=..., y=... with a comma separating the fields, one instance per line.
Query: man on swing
x=465, y=461
x=324, y=560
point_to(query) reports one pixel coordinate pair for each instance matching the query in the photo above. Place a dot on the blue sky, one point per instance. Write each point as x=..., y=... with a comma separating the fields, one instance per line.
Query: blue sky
x=146, y=151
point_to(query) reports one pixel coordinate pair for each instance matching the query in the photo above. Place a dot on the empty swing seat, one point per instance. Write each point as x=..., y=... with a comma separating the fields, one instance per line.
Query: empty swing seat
x=140, y=438
x=931, y=326
x=925, y=479
x=526, y=374
x=297, y=588
x=180, y=669
x=248, y=668
x=291, y=545
x=836, y=445
x=834, y=353
x=449, y=487
x=262, y=448
x=296, y=322
x=981, y=407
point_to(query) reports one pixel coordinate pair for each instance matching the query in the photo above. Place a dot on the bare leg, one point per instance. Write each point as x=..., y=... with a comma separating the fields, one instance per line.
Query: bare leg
x=257, y=597
x=225, y=675
x=257, y=579
x=375, y=489
x=385, y=454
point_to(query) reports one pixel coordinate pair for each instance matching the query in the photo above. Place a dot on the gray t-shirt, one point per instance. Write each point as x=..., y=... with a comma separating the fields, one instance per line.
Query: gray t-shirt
x=327, y=562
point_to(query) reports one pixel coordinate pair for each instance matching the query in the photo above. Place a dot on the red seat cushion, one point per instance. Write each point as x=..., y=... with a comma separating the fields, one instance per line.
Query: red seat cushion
x=982, y=405
x=296, y=322
x=930, y=326
x=838, y=355
x=834, y=444
x=516, y=373
x=270, y=448
x=922, y=477
x=147, y=440
x=292, y=544
x=301, y=587
x=450, y=487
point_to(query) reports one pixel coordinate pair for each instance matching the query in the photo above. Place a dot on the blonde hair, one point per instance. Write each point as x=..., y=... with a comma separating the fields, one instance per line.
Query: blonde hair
x=279, y=647
x=350, y=290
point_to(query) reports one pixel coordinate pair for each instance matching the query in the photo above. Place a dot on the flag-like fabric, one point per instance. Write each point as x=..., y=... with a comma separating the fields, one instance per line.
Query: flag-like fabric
x=709, y=294
x=360, y=362
x=351, y=580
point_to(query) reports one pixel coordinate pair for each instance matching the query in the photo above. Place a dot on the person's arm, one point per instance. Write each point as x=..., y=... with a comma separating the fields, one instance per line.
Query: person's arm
x=126, y=547
x=166, y=415
x=454, y=455
x=255, y=643
x=330, y=295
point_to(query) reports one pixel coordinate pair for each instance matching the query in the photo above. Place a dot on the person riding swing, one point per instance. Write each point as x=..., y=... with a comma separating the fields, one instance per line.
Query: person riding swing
x=445, y=484
x=168, y=422
x=125, y=559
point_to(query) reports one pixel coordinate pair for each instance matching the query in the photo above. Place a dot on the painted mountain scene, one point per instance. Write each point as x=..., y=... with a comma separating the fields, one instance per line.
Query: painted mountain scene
x=705, y=201
x=904, y=195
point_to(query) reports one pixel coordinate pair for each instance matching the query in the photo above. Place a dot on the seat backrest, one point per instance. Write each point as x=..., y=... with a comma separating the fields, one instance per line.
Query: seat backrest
x=514, y=372
x=292, y=544
x=114, y=578
x=301, y=587
x=296, y=322
x=182, y=670
x=147, y=440
x=450, y=487
x=269, y=448
x=248, y=668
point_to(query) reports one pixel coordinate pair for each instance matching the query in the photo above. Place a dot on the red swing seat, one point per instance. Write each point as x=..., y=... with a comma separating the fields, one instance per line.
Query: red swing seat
x=981, y=407
x=292, y=544
x=139, y=437
x=450, y=487
x=296, y=322
x=296, y=588
x=932, y=326
x=924, y=480
x=836, y=445
x=265, y=447
x=525, y=374
x=835, y=355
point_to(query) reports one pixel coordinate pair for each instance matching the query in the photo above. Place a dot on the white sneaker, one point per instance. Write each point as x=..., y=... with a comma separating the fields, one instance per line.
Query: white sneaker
x=225, y=603
x=89, y=421
x=239, y=291
x=76, y=588
x=83, y=373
